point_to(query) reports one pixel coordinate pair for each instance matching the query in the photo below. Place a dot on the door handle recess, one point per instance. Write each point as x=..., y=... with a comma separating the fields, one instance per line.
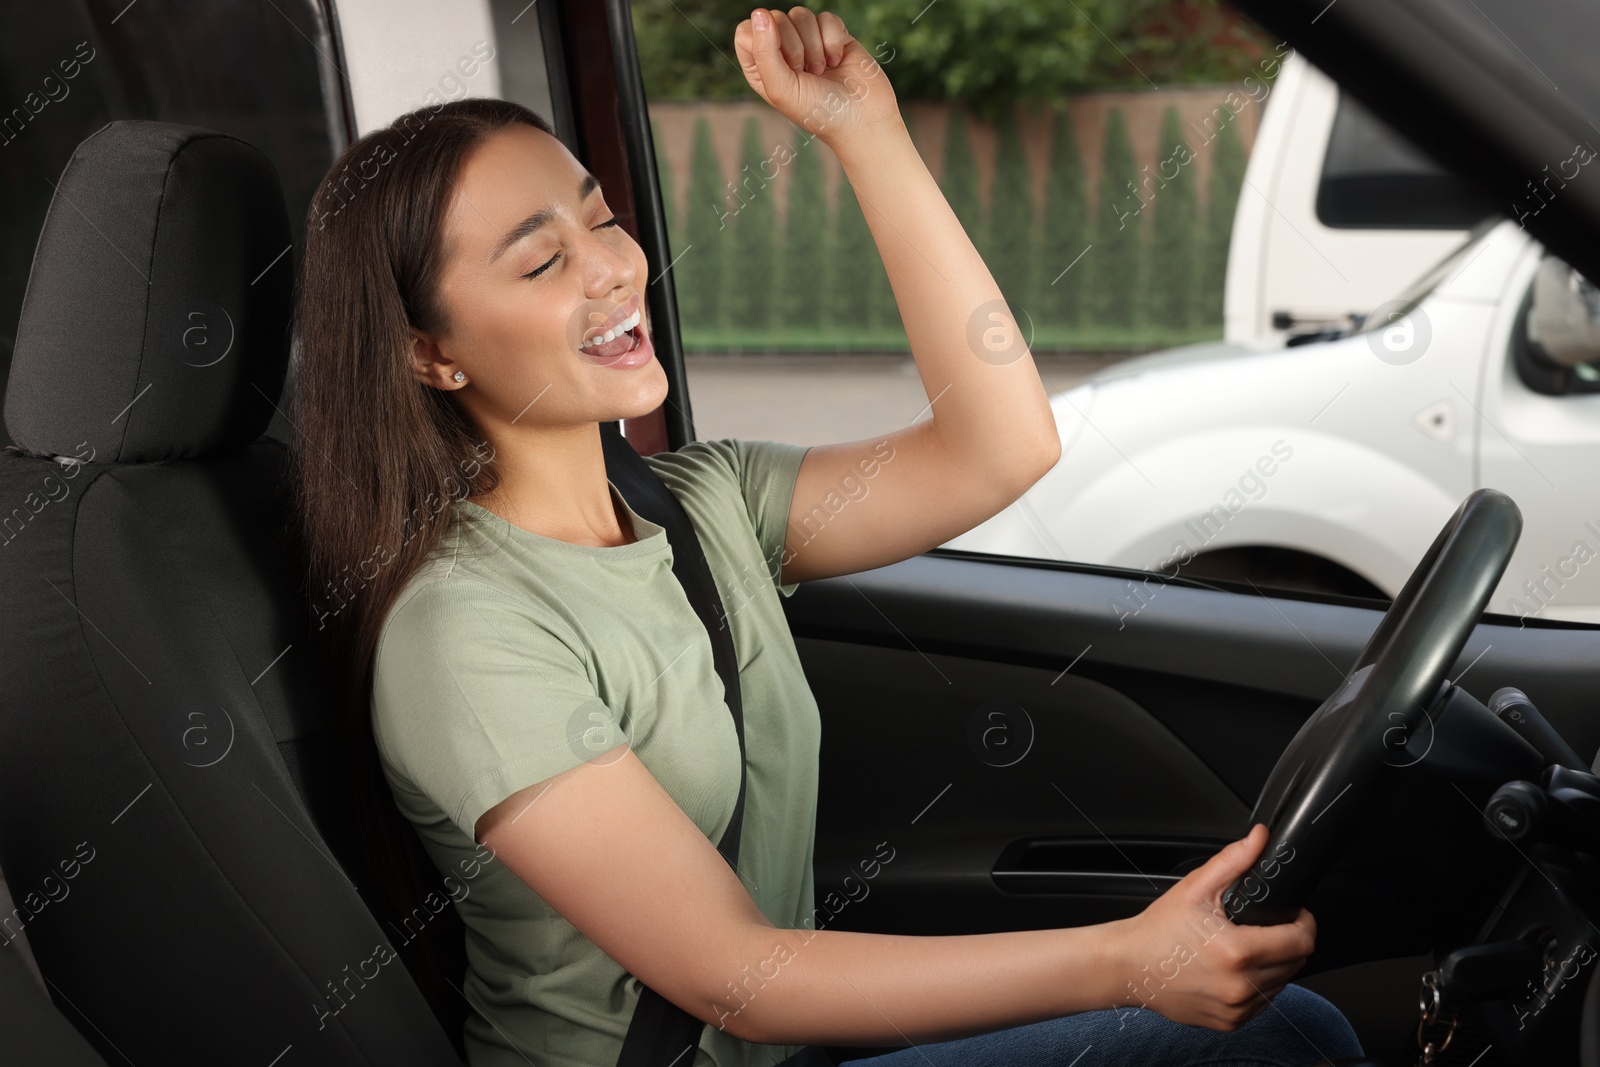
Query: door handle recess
x=1099, y=866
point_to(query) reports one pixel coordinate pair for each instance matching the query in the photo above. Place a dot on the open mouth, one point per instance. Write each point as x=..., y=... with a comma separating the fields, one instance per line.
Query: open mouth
x=623, y=338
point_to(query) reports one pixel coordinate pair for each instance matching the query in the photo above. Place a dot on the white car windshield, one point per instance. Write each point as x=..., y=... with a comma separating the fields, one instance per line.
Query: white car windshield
x=1432, y=278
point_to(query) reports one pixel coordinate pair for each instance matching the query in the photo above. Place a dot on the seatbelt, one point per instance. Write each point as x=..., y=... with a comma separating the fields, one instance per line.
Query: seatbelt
x=660, y=1031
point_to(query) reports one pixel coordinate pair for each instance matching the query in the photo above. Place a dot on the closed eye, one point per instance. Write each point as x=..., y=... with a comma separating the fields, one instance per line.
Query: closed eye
x=612, y=221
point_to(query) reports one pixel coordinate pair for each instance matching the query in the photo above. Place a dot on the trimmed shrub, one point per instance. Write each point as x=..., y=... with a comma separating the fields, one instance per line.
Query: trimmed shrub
x=1066, y=229
x=1014, y=238
x=1175, y=232
x=1222, y=197
x=803, y=265
x=855, y=259
x=748, y=281
x=1115, y=266
x=699, y=270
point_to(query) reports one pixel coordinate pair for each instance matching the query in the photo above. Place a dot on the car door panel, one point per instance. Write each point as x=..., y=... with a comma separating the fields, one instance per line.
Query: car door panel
x=1155, y=728
x=1104, y=811
x=957, y=763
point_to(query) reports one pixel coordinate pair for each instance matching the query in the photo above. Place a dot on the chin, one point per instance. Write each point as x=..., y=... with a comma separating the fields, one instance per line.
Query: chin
x=645, y=396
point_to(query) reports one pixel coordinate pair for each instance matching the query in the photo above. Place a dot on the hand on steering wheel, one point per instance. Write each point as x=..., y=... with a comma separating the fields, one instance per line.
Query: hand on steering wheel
x=1182, y=957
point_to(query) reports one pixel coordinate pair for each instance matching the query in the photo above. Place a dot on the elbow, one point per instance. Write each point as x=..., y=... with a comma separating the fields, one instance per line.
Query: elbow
x=743, y=998
x=735, y=1013
x=1049, y=453
x=722, y=1009
x=734, y=1019
x=1041, y=458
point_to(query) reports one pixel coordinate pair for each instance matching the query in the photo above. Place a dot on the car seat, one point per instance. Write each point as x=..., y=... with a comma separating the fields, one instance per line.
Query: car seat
x=172, y=826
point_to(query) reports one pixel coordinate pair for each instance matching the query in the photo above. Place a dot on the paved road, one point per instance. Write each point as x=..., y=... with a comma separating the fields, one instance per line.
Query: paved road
x=820, y=399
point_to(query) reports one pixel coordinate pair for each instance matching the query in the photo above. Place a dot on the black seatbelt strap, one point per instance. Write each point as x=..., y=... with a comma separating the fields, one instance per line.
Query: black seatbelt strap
x=660, y=1031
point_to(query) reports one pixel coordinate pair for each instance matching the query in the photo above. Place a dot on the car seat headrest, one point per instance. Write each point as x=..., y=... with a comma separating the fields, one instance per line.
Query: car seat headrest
x=155, y=325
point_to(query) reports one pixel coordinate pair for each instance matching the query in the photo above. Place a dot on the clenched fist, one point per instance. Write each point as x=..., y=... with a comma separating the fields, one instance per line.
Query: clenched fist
x=813, y=73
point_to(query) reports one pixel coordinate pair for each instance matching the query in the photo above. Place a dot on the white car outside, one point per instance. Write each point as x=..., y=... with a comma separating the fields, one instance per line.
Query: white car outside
x=1337, y=212
x=1351, y=451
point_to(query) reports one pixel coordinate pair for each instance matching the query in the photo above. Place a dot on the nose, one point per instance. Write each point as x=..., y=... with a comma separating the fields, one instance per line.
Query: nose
x=610, y=260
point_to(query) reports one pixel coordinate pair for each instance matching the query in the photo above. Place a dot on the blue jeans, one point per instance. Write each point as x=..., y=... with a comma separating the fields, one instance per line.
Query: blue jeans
x=1298, y=1029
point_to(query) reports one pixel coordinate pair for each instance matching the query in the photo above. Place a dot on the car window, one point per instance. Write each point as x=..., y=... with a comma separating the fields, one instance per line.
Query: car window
x=1556, y=350
x=1108, y=205
x=251, y=68
x=1372, y=177
x=1104, y=212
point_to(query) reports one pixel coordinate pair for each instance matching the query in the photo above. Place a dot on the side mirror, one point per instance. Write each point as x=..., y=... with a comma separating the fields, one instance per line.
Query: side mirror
x=1564, y=321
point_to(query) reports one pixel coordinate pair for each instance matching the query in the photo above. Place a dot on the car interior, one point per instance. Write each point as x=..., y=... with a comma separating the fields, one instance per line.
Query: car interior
x=1033, y=758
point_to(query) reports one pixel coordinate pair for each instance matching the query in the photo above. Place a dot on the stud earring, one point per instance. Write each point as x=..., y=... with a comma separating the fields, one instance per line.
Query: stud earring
x=460, y=376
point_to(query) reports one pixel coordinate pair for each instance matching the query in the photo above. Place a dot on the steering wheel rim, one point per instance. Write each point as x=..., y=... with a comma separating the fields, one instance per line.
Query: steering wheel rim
x=1361, y=731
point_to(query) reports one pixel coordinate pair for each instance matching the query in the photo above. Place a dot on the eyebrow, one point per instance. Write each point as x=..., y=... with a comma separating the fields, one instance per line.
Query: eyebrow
x=538, y=219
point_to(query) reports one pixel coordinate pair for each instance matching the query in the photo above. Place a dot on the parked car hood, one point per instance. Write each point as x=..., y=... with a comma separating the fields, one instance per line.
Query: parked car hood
x=1202, y=352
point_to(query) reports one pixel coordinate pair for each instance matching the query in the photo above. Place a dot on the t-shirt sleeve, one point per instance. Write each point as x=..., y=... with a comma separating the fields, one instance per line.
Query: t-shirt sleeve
x=767, y=472
x=476, y=696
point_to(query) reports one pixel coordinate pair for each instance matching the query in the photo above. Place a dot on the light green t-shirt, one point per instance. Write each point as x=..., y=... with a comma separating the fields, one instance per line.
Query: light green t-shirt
x=511, y=657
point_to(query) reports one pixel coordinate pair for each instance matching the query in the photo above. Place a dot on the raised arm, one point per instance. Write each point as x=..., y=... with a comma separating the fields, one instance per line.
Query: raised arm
x=992, y=433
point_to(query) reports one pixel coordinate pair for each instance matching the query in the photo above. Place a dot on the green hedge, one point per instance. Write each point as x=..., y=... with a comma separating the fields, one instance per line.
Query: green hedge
x=1173, y=283
x=699, y=256
x=983, y=54
x=752, y=256
x=1060, y=283
x=1012, y=249
x=807, y=242
x=1146, y=264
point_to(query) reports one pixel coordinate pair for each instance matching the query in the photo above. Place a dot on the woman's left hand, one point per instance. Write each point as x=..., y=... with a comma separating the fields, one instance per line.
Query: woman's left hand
x=813, y=73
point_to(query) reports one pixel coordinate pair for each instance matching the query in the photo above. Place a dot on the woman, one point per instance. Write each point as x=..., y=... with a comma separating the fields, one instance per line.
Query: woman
x=529, y=678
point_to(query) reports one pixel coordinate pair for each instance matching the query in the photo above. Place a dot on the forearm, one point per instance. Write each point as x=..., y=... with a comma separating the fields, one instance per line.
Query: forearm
x=989, y=407
x=842, y=987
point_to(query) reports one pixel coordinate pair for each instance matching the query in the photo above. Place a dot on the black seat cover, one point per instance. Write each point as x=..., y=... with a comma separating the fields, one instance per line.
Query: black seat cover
x=170, y=818
x=31, y=1030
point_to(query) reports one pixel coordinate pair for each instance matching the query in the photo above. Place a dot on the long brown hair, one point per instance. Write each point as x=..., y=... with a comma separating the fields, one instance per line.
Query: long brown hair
x=377, y=458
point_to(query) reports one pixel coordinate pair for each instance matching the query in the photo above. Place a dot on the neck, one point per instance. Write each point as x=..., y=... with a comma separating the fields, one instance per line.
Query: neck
x=553, y=483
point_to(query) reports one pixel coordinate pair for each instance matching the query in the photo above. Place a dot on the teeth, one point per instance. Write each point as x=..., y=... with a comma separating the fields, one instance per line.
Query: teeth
x=616, y=331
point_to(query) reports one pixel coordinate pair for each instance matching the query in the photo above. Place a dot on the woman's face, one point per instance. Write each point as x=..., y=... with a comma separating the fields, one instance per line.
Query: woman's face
x=531, y=270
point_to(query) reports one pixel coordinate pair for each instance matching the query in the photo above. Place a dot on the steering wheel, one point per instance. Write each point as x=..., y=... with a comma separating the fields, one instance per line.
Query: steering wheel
x=1313, y=802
